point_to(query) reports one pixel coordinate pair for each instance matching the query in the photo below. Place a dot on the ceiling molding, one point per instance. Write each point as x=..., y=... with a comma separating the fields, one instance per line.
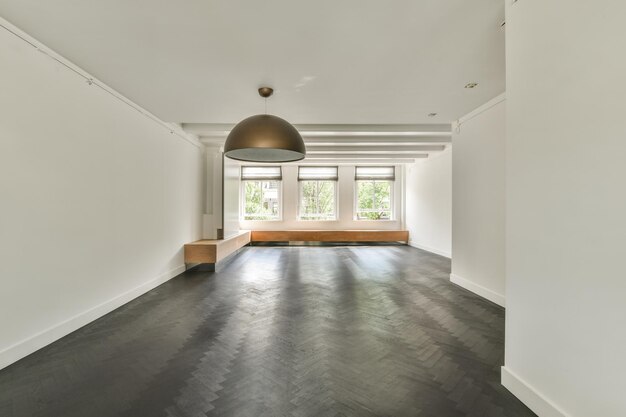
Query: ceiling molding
x=493, y=102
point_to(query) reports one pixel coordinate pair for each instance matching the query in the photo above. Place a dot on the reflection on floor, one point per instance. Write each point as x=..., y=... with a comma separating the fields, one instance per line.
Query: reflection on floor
x=293, y=331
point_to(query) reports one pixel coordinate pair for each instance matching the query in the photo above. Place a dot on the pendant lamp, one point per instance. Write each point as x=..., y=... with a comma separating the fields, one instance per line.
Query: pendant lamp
x=264, y=138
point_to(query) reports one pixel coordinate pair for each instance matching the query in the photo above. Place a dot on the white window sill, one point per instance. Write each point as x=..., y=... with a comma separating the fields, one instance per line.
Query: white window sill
x=319, y=221
x=260, y=221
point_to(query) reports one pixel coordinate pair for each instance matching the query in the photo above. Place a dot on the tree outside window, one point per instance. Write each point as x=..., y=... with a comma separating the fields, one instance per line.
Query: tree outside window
x=374, y=188
x=373, y=200
x=260, y=193
x=317, y=200
x=261, y=200
x=318, y=192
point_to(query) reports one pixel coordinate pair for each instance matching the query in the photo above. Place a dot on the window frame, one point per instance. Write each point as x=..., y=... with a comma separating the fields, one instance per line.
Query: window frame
x=242, y=195
x=335, y=183
x=335, y=201
x=392, y=200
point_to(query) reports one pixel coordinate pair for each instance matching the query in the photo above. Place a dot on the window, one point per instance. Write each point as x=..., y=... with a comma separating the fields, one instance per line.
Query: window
x=374, y=192
x=318, y=193
x=260, y=193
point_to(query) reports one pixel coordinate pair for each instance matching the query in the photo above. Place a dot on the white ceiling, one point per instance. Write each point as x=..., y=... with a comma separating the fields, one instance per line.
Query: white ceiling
x=330, y=61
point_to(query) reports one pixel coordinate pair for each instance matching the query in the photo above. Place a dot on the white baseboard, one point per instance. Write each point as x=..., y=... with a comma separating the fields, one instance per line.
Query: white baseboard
x=530, y=396
x=27, y=346
x=479, y=290
x=429, y=249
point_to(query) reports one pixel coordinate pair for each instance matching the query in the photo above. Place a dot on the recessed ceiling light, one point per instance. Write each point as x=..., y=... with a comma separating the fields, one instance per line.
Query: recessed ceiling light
x=432, y=114
x=471, y=85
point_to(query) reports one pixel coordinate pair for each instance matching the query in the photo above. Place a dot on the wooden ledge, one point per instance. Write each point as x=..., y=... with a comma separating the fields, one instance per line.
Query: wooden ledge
x=209, y=251
x=330, y=236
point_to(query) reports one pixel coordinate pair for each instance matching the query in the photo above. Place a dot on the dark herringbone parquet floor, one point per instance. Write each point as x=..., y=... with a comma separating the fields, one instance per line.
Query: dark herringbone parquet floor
x=281, y=331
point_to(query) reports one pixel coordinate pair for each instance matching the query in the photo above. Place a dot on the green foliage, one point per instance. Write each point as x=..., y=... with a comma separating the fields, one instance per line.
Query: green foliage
x=374, y=200
x=317, y=200
x=261, y=200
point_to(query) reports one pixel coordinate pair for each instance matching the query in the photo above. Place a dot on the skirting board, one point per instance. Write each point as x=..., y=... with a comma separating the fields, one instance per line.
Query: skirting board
x=431, y=250
x=529, y=396
x=32, y=344
x=490, y=295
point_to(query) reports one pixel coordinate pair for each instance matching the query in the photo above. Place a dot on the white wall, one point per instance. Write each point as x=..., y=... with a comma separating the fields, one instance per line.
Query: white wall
x=212, y=218
x=566, y=207
x=230, y=196
x=478, y=196
x=429, y=203
x=345, y=206
x=97, y=200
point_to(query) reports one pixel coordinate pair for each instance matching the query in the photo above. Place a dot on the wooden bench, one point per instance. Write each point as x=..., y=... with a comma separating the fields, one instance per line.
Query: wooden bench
x=330, y=236
x=212, y=251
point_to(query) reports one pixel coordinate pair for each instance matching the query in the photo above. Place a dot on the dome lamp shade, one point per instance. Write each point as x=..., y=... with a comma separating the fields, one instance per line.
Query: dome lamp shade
x=264, y=138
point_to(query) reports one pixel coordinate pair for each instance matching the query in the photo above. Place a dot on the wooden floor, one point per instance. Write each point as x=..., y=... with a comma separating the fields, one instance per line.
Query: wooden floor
x=281, y=331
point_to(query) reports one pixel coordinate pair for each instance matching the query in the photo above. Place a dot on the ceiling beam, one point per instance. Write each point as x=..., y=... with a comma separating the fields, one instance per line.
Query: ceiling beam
x=366, y=156
x=374, y=149
x=357, y=141
x=335, y=130
x=382, y=140
x=419, y=128
x=316, y=161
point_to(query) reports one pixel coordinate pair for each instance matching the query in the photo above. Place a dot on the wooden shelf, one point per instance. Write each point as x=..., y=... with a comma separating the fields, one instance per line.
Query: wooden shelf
x=330, y=236
x=212, y=251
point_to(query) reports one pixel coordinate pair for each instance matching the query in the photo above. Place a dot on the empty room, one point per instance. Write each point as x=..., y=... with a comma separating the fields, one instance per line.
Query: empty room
x=328, y=208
